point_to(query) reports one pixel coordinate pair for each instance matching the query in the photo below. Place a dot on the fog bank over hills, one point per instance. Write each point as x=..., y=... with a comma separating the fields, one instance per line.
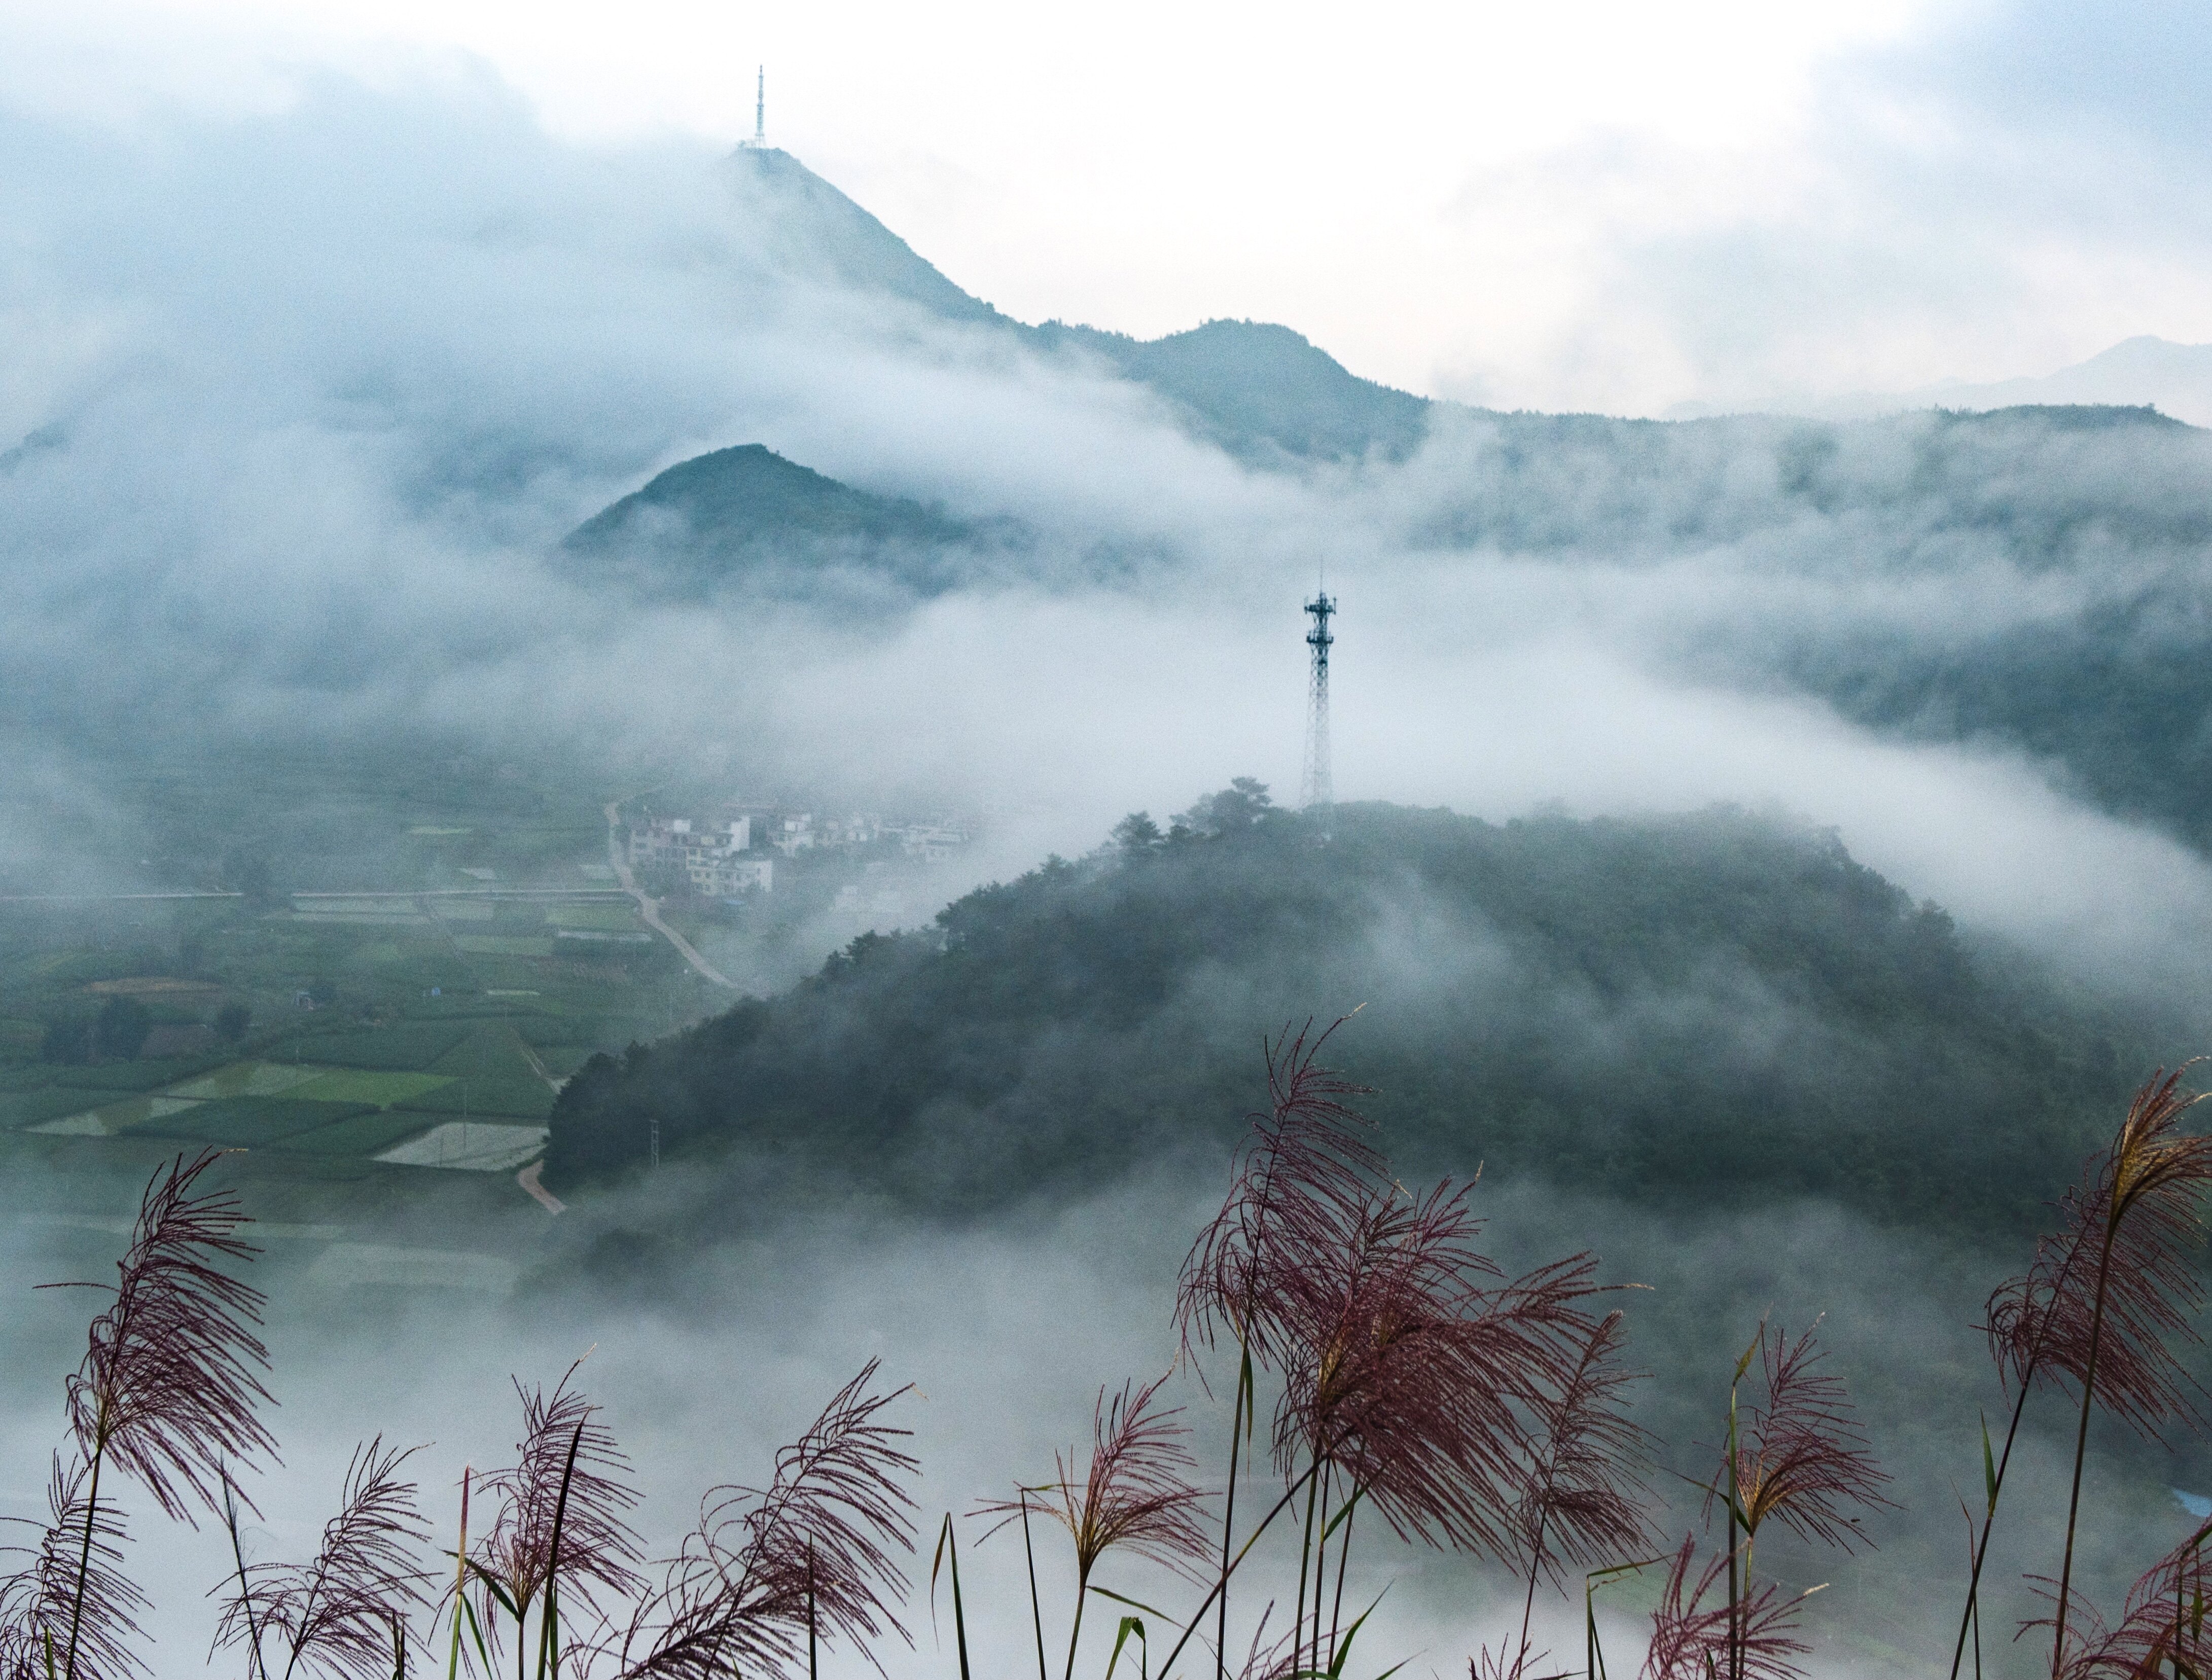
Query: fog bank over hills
x=307, y=482
x=1770, y=848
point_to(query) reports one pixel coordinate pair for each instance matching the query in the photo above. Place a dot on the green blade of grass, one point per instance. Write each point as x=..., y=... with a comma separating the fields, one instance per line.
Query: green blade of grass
x=475, y=1632
x=1130, y=1624
x=948, y=1543
x=1133, y=1603
x=1343, y=1512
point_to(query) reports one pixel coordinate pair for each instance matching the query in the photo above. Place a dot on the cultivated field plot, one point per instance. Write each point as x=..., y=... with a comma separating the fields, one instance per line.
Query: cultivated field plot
x=518, y=1099
x=127, y=1076
x=28, y=1108
x=379, y=1090
x=247, y=1122
x=410, y=1047
x=358, y=1137
x=129, y=1116
x=607, y=918
x=311, y=1108
x=386, y=917
x=504, y=944
x=465, y=1146
x=250, y=1079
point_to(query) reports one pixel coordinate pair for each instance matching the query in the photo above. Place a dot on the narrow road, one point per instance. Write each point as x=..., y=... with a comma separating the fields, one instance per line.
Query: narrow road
x=650, y=911
x=537, y=1066
x=101, y=898
x=527, y=1178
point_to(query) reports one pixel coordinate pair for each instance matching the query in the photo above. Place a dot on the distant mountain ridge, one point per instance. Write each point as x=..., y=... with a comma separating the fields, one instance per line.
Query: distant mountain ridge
x=2110, y=688
x=746, y=515
x=1263, y=392
x=2139, y=373
x=2142, y=371
x=1260, y=391
x=1268, y=396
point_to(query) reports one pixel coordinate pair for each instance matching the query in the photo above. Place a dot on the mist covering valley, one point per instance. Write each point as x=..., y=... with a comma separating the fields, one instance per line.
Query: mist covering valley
x=1767, y=852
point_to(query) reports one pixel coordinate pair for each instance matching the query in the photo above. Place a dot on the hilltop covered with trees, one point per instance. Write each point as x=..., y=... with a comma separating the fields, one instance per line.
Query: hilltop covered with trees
x=1718, y=1005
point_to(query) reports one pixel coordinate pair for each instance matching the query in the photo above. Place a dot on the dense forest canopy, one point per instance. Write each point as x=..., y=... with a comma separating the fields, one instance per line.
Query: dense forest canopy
x=1718, y=1006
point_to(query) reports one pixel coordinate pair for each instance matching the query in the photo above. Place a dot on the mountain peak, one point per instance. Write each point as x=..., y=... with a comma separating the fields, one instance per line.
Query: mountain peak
x=1264, y=393
x=744, y=515
x=820, y=232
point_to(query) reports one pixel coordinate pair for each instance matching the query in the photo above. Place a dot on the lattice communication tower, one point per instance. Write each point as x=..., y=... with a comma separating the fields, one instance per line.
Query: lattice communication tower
x=1316, y=788
x=760, y=111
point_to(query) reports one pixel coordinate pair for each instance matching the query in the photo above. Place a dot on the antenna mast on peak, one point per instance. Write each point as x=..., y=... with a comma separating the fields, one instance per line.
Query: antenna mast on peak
x=760, y=111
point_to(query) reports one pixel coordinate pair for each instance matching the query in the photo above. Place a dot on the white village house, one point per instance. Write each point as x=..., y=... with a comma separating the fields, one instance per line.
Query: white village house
x=713, y=854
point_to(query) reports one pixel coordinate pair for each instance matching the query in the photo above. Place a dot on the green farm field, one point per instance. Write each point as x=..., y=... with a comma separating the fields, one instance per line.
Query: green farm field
x=379, y=1090
x=246, y=1122
x=411, y=941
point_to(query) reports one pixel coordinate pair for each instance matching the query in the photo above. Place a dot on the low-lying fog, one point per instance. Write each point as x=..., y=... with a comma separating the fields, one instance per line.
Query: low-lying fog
x=1008, y=1332
x=296, y=405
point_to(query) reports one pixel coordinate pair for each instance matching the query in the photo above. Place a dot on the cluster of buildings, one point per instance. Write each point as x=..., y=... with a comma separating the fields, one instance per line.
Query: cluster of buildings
x=728, y=855
x=930, y=841
x=715, y=856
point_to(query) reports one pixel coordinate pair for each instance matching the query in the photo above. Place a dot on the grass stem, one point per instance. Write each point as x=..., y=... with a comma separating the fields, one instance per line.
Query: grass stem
x=1236, y=1431
x=1036, y=1608
x=1075, y=1628
x=549, y=1616
x=1971, y=1617
x=2081, y=1439
x=1242, y=1552
x=460, y=1580
x=255, y=1668
x=84, y=1554
x=1347, y=1511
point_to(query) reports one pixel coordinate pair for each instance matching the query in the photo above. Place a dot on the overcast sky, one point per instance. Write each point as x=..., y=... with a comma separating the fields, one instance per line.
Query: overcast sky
x=1594, y=203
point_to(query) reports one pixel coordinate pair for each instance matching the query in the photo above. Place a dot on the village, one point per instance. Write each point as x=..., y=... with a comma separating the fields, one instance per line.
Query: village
x=369, y=975
x=731, y=853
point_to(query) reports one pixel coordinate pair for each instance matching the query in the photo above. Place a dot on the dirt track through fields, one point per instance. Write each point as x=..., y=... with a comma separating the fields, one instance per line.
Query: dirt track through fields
x=650, y=911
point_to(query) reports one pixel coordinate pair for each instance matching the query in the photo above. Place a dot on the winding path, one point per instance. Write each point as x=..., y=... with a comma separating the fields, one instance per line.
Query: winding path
x=650, y=911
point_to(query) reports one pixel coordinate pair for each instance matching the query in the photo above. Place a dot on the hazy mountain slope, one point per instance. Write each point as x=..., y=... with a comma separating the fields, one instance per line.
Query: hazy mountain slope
x=2100, y=662
x=1261, y=392
x=818, y=233
x=1707, y=1009
x=747, y=517
x=2034, y=579
x=2176, y=379
x=2069, y=489
x=2119, y=695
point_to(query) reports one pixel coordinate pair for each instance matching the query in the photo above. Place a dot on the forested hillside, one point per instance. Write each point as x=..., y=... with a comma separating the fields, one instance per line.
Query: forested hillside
x=744, y=520
x=1712, y=1007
